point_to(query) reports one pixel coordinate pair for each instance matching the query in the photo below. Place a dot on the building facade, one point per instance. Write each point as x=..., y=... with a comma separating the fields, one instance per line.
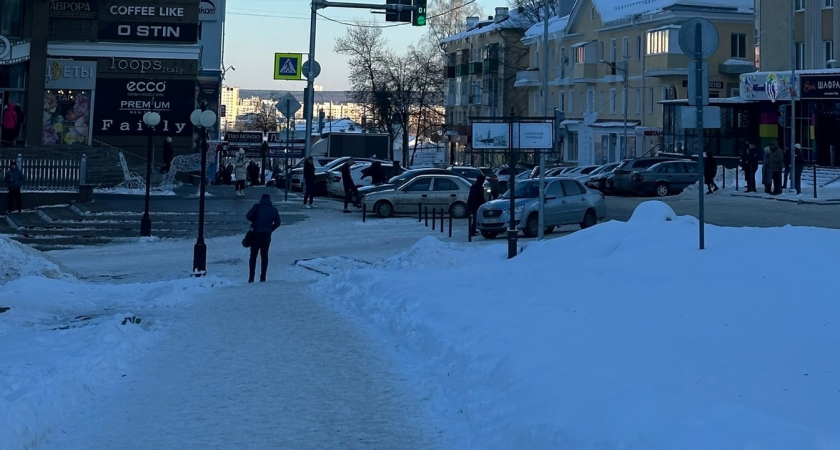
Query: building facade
x=816, y=34
x=610, y=60
x=85, y=71
x=230, y=103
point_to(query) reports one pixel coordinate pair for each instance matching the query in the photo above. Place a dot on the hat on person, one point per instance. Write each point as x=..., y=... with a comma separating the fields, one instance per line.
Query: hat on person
x=241, y=151
x=798, y=147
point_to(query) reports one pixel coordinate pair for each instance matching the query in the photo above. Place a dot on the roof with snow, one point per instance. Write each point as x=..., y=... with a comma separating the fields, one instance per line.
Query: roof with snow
x=514, y=21
x=555, y=25
x=613, y=10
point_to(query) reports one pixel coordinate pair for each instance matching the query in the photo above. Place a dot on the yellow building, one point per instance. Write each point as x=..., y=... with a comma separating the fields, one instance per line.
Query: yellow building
x=611, y=59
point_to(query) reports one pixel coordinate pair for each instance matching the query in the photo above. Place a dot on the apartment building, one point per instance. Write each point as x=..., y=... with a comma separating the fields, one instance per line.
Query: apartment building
x=611, y=59
x=816, y=28
x=230, y=101
x=481, y=67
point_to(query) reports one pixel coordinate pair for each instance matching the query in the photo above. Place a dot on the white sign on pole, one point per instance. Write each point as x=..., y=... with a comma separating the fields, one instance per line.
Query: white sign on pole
x=692, y=83
x=533, y=135
x=491, y=135
x=711, y=117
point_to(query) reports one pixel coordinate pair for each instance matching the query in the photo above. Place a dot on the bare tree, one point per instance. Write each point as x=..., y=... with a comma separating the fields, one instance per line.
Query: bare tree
x=264, y=119
x=534, y=10
x=426, y=110
x=448, y=17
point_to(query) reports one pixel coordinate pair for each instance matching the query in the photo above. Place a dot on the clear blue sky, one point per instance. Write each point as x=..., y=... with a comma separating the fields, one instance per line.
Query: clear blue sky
x=256, y=29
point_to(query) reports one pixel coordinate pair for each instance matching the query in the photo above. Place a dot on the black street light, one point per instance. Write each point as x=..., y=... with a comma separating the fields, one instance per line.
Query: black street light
x=151, y=119
x=203, y=120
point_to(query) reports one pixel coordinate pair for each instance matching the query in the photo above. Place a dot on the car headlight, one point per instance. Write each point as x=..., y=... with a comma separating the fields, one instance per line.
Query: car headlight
x=518, y=209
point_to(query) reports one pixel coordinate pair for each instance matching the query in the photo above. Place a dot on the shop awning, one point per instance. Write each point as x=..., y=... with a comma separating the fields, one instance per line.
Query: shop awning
x=120, y=50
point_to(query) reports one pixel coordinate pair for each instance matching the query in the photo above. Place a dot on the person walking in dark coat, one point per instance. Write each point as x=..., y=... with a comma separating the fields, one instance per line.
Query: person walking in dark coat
x=751, y=166
x=786, y=162
x=397, y=168
x=309, y=182
x=475, y=200
x=253, y=173
x=776, y=165
x=799, y=162
x=14, y=182
x=766, y=175
x=710, y=172
x=376, y=173
x=264, y=219
x=168, y=155
x=351, y=194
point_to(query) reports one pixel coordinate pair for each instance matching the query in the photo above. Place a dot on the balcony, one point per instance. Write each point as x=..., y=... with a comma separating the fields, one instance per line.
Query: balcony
x=449, y=72
x=461, y=70
x=491, y=65
x=586, y=71
x=476, y=68
x=461, y=100
x=528, y=77
x=666, y=64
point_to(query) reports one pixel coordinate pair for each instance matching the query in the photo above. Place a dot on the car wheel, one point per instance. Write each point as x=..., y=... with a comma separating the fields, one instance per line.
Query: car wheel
x=589, y=219
x=662, y=189
x=458, y=210
x=489, y=234
x=384, y=209
x=532, y=226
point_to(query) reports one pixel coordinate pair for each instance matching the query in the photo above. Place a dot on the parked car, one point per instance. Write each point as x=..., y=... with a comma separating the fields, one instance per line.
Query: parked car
x=665, y=178
x=466, y=172
x=492, y=180
x=598, y=177
x=402, y=178
x=335, y=185
x=567, y=202
x=297, y=171
x=621, y=174
x=579, y=170
x=442, y=192
x=503, y=175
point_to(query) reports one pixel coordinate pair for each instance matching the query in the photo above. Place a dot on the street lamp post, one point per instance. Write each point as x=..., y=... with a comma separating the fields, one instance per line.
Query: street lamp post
x=202, y=119
x=151, y=119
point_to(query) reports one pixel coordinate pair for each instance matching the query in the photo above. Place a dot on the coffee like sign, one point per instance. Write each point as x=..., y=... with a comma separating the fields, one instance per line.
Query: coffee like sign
x=161, y=11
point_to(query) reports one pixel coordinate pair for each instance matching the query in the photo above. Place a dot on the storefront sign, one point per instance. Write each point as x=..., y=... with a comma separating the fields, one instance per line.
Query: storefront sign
x=210, y=10
x=172, y=11
x=74, y=9
x=771, y=86
x=148, y=31
x=66, y=117
x=712, y=84
x=69, y=74
x=244, y=137
x=147, y=66
x=820, y=87
x=121, y=103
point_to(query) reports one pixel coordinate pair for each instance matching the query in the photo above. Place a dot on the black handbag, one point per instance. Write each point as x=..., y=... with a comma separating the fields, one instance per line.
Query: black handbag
x=248, y=240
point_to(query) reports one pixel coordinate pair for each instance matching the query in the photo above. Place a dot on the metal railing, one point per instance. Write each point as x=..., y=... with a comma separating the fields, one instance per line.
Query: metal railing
x=48, y=174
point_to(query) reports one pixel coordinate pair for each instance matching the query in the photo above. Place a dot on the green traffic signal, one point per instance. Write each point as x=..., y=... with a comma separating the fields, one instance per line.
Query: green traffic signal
x=418, y=15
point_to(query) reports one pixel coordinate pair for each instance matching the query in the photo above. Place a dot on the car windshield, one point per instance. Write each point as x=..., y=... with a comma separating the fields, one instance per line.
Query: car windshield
x=405, y=176
x=525, y=189
x=466, y=172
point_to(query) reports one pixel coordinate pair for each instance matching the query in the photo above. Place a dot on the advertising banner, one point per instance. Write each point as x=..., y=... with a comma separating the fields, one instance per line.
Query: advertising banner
x=74, y=9
x=121, y=103
x=820, y=87
x=69, y=74
x=148, y=31
x=244, y=137
x=143, y=66
x=66, y=117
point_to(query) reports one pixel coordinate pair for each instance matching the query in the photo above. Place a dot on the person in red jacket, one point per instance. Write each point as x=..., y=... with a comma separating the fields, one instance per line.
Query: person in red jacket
x=10, y=125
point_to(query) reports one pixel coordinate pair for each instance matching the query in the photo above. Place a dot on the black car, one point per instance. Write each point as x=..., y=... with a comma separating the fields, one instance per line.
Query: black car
x=401, y=179
x=621, y=174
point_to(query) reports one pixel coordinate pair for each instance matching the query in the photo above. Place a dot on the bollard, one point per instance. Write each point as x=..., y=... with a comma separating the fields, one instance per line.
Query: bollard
x=427, y=217
x=419, y=212
x=434, y=218
x=469, y=226
x=724, y=177
x=815, y=179
x=736, y=177
x=364, y=212
x=441, y=220
x=450, y=225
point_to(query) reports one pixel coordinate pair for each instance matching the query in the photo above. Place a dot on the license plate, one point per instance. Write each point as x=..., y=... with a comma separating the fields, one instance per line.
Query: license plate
x=491, y=220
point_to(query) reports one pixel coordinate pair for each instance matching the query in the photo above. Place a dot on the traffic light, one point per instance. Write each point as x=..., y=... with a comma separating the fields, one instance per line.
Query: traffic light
x=418, y=15
x=392, y=15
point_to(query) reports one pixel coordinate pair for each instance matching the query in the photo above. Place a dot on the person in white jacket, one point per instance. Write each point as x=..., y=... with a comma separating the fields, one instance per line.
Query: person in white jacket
x=240, y=165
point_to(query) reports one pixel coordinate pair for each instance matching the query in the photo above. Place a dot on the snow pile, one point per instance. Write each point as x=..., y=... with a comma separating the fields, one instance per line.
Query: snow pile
x=139, y=191
x=64, y=340
x=20, y=261
x=623, y=335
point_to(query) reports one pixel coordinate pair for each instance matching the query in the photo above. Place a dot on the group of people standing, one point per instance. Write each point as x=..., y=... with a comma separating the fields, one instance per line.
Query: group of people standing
x=351, y=193
x=776, y=167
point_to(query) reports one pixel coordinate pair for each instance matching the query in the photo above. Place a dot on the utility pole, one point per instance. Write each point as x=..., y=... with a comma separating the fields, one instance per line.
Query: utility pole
x=541, y=214
x=625, y=100
x=793, y=94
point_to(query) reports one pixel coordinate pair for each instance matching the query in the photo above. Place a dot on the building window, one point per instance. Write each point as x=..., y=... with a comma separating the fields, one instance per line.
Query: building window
x=828, y=4
x=612, y=101
x=572, y=146
x=738, y=46
x=562, y=102
x=799, y=5
x=650, y=101
x=535, y=102
x=638, y=101
x=600, y=100
x=625, y=47
x=829, y=51
x=612, y=50
x=592, y=13
x=601, y=56
x=658, y=42
x=800, y=55
x=638, y=47
x=11, y=17
x=580, y=55
x=572, y=101
x=590, y=99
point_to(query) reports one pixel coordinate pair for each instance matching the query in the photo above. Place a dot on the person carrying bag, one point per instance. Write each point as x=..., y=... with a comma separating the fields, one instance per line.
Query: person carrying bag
x=264, y=218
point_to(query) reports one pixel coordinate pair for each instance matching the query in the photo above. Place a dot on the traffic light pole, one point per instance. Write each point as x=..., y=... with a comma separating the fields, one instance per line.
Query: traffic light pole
x=418, y=10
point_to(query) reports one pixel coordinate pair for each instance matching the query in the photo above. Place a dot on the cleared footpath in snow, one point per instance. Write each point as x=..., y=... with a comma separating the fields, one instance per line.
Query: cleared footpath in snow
x=261, y=365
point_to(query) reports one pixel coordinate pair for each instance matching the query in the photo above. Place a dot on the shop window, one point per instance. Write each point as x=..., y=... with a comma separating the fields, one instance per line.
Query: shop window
x=572, y=146
x=11, y=17
x=66, y=117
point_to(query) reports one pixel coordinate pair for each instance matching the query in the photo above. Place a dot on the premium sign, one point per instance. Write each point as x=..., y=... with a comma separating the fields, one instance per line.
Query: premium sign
x=69, y=74
x=143, y=66
x=78, y=9
x=820, y=87
x=121, y=103
x=148, y=31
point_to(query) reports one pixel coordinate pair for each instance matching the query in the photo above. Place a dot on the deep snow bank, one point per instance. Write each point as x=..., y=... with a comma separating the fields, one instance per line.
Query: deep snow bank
x=18, y=261
x=620, y=336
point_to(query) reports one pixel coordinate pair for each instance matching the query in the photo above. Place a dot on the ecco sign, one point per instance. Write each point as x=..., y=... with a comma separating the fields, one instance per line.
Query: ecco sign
x=146, y=86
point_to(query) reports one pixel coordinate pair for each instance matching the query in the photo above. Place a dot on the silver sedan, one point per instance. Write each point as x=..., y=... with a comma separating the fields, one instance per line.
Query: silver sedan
x=439, y=192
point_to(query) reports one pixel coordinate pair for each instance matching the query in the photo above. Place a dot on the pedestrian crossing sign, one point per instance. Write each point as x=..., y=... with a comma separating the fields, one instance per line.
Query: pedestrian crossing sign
x=287, y=66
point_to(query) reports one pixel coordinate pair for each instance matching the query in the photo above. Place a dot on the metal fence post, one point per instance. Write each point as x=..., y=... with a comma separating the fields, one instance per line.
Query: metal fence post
x=441, y=220
x=469, y=226
x=364, y=212
x=434, y=218
x=815, y=179
x=736, y=177
x=419, y=212
x=427, y=217
x=450, y=224
x=83, y=170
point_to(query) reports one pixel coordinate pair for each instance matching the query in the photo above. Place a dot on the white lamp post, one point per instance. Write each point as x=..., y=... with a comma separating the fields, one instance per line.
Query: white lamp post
x=151, y=119
x=202, y=119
